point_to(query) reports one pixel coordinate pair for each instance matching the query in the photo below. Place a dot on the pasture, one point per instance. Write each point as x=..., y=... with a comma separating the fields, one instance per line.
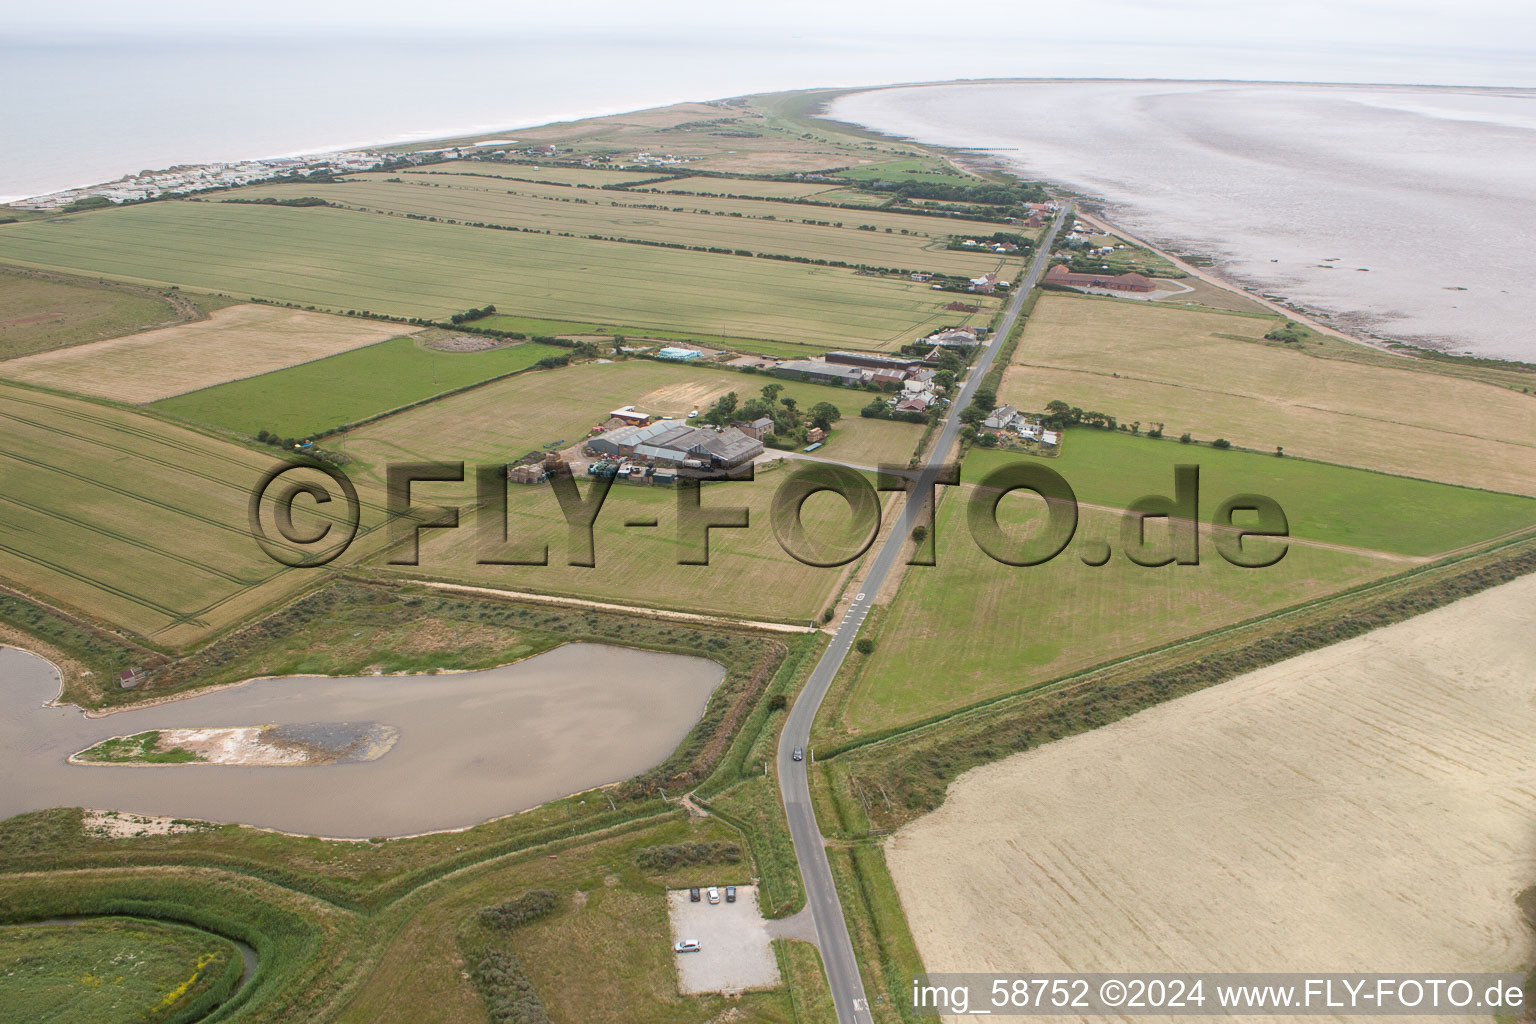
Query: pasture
x=350, y=386
x=338, y=259
x=1025, y=625
x=128, y=520
x=769, y=228
x=1365, y=804
x=111, y=970
x=1332, y=504
x=41, y=312
x=924, y=169
x=1208, y=374
x=233, y=343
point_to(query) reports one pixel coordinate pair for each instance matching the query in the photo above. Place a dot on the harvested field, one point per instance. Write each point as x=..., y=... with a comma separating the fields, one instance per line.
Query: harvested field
x=233, y=343
x=126, y=519
x=505, y=420
x=589, y=176
x=1194, y=371
x=739, y=187
x=1366, y=807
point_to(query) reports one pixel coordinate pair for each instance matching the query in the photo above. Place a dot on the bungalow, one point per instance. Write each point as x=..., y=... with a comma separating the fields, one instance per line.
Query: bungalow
x=1004, y=417
x=985, y=284
x=914, y=403
x=1060, y=275
x=918, y=276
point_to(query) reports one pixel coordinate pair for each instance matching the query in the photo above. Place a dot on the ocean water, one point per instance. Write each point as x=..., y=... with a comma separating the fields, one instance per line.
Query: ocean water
x=80, y=110
x=1402, y=212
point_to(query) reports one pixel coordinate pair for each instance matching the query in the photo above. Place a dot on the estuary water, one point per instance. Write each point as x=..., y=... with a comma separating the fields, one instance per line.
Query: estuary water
x=472, y=746
x=1402, y=212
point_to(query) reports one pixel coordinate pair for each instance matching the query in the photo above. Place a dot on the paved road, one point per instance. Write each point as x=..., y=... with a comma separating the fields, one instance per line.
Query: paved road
x=821, y=895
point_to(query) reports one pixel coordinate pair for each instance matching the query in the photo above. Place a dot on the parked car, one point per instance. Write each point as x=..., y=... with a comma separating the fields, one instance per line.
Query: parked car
x=799, y=754
x=693, y=895
x=730, y=894
x=714, y=895
x=686, y=946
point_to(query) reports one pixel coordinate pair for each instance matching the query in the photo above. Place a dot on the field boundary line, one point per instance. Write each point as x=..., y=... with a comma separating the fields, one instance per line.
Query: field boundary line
x=608, y=606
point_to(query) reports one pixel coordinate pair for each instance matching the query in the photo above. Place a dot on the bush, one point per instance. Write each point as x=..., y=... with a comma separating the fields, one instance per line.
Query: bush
x=672, y=855
x=864, y=645
x=509, y=995
x=1185, y=438
x=531, y=906
x=778, y=702
x=1221, y=442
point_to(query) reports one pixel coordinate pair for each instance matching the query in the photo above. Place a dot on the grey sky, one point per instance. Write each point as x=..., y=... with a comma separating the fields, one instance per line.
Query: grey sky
x=1473, y=24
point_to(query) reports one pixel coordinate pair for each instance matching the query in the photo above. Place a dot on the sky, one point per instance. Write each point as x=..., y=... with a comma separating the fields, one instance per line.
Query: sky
x=1479, y=25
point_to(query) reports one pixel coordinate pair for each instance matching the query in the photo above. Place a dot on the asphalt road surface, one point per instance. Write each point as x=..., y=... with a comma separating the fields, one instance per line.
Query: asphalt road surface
x=821, y=894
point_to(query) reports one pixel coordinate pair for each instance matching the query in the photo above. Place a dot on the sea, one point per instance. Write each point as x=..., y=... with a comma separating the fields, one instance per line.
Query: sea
x=1427, y=189
x=1402, y=213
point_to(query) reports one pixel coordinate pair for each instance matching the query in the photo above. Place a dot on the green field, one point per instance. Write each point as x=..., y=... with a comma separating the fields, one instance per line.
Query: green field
x=302, y=400
x=1323, y=502
x=990, y=629
x=38, y=313
x=931, y=170
x=339, y=259
x=111, y=969
x=912, y=244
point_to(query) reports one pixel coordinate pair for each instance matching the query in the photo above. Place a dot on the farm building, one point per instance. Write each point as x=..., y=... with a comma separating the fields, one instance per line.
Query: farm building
x=1060, y=275
x=624, y=440
x=822, y=372
x=872, y=361
x=630, y=415
x=757, y=429
x=955, y=337
x=679, y=355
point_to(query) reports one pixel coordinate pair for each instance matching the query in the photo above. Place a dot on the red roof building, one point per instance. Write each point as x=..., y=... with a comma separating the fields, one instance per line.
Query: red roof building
x=1059, y=274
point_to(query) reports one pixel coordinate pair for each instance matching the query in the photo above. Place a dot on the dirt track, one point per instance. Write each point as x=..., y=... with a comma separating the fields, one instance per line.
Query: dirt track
x=1369, y=806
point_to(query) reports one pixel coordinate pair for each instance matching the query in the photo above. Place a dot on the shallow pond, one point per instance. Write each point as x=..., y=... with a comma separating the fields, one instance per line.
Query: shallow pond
x=472, y=746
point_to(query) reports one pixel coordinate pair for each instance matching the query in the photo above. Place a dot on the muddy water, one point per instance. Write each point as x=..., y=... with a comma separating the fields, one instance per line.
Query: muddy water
x=472, y=746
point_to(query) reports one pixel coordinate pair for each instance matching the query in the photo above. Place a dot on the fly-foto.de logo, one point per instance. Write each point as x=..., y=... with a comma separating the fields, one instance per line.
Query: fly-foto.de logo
x=329, y=515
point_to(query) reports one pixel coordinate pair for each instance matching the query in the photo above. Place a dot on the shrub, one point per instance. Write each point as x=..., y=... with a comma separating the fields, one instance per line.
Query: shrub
x=509, y=995
x=864, y=645
x=1185, y=438
x=1221, y=442
x=531, y=906
x=671, y=855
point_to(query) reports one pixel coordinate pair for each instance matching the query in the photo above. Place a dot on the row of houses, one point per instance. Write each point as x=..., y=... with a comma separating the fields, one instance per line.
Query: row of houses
x=668, y=443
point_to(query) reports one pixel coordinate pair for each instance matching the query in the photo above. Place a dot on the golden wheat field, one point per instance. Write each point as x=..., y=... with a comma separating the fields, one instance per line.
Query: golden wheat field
x=1369, y=806
x=233, y=343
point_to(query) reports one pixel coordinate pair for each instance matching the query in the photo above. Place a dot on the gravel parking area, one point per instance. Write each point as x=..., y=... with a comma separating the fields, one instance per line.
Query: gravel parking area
x=735, y=949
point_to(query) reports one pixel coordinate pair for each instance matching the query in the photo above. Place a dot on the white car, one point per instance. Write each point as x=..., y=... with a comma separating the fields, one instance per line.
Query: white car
x=687, y=946
x=714, y=894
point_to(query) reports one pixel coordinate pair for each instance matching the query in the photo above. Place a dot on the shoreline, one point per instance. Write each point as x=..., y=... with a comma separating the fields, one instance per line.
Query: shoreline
x=984, y=160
